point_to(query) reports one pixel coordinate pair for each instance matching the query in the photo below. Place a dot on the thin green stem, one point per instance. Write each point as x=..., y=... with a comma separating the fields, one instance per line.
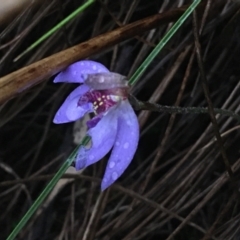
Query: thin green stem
x=55, y=28
x=46, y=191
x=135, y=77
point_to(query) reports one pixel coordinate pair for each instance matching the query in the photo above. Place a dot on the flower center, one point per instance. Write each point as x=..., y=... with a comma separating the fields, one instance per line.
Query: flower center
x=102, y=100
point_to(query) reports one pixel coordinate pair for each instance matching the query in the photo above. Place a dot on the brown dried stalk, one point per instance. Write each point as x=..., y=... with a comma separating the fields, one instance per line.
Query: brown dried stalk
x=20, y=80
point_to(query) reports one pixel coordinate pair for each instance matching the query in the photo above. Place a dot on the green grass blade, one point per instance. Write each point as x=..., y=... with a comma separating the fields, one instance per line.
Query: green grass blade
x=46, y=191
x=54, y=29
x=135, y=77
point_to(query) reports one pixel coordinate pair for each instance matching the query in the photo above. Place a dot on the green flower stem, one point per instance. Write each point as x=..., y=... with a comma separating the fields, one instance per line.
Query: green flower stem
x=46, y=191
x=54, y=29
x=135, y=77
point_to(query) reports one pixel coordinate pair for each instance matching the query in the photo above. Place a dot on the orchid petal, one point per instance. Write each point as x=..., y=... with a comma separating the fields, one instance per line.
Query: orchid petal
x=103, y=137
x=70, y=109
x=77, y=72
x=94, y=121
x=125, y=144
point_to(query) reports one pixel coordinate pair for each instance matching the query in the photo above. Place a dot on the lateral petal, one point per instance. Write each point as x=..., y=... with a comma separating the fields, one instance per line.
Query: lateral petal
x=103, y=136
x=125, y=145
x=70, y=110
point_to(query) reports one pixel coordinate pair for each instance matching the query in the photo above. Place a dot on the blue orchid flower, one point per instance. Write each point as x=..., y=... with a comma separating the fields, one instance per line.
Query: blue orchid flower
x=114, y=126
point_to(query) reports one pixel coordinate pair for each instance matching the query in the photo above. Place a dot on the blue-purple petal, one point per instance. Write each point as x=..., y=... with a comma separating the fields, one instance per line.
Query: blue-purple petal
x=77, y=72
x=103, y=137
x=70, y=111
x=125, y=144
x=94, y=121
